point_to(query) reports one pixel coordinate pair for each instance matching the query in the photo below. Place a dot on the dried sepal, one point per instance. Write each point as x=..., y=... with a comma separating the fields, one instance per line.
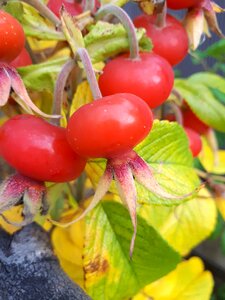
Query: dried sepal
x=10, y=79
x=211, y=19
x=5, y=86
x=194, y=25
x=128, y=194
x=101, y=190
x=18, y=188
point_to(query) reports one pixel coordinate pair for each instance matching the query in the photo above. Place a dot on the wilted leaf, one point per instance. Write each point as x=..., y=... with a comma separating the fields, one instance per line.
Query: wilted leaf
x=188, y=282
x=207, y=159
x=33, y=23
x=14, y=214
x=186, y=225
x=165, y=150
x=105, y=40
x=202, y=101
x=107, y=265
x=71, y=31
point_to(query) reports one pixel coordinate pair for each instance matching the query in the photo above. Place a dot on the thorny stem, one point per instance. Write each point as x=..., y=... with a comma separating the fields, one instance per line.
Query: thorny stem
x=127, y=23
x=86, y=61
x=161, y=17
x=59, y=88
x=44, y=11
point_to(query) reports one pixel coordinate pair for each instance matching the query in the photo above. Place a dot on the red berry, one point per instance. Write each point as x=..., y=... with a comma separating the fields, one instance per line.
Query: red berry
x=12, y=38
x=192, y=121
x=71, y=6
x=150, y=78
x=109, y=127
x=22, y=60
x=195, y=143
x=39, y=150
x=170, y=42
x=182, y=4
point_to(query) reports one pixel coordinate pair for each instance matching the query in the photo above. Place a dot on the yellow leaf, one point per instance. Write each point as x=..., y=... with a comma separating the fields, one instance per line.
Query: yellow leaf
x=82, y=96
x=14, y=215
x=207, y=159
x=64, y=246
x=188, y=281
x=220, y=202
x=75, y=272
x=68, y=245
x=186, y=225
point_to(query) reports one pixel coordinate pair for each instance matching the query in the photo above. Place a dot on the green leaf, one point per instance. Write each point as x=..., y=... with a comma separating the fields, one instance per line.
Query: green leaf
x=166, y=150
x=201, y=100
x=33, y=23
x=42, y=76
x=209, y=79
x=105, y=40
x=107, y=265
x=216, y=50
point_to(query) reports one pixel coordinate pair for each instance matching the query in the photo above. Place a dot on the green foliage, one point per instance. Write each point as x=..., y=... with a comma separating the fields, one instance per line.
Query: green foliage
x=196, y=92
x=166, y=151
x=33, y=24
x=105, y=40
x=42, y=76
x=107, y=265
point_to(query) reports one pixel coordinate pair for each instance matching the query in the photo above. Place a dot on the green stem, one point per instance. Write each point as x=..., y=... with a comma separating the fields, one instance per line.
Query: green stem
x=44, y=11
x=88, y=5
x=59, y=88
x=84, y=56
x=127, y=23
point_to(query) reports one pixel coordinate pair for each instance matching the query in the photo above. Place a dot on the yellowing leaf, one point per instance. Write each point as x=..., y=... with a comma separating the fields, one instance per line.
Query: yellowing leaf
x=14, y=215
x=220, y=202
x=82, y=96
x=68, y=245
x=207, y=159
x=188, y=281
x=186, y=225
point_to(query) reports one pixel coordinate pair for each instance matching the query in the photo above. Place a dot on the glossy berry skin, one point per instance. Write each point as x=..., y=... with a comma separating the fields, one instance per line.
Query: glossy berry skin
x=22, y=60
x=192, y=121
x=71, y=6
x=170, y=41
x=150, y=78
x=195, y=143
x=109, y=127
x=39, y=150
x=182, y=4
x=12, y=38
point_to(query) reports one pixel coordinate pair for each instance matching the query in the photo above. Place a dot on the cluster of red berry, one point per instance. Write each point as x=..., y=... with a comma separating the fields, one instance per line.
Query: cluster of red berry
x=130, y=88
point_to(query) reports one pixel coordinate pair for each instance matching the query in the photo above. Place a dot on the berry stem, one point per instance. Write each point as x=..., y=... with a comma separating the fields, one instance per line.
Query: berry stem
x=84, y=56
x=44, y=11
x=161, y=17
x=127, y=23
x=177, y=112
x=88, y=5
x=59, y=88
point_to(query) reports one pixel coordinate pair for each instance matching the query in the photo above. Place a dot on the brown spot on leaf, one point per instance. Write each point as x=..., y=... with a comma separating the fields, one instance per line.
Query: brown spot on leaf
x=98, y=264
